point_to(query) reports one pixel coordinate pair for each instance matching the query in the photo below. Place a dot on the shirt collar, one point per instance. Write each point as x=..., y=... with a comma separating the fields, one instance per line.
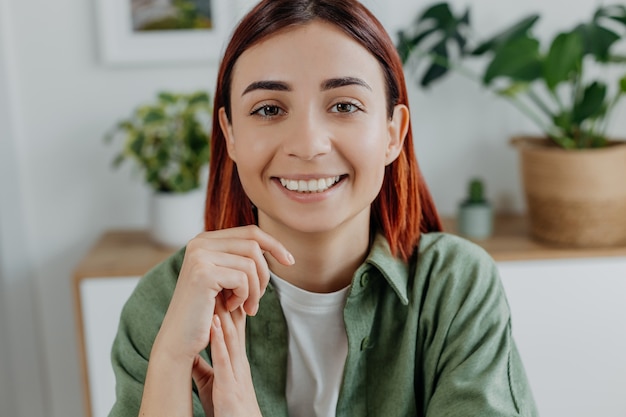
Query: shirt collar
x=393, y=269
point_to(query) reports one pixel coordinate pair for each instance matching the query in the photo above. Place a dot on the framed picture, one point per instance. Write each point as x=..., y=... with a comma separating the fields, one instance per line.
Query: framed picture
x=163, y=31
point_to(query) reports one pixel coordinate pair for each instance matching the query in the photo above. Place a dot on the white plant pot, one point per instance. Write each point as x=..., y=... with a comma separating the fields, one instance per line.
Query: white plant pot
x=175, y=218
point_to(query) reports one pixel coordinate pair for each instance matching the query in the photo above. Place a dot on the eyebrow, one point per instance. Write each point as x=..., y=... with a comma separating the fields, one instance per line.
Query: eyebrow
x=267, y=85
x=343, y=82
x=325, y=86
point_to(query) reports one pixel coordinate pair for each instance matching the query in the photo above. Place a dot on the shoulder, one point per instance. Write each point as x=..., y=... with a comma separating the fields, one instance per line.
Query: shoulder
x=440, y=247
x=455, y=268
x=446, y=254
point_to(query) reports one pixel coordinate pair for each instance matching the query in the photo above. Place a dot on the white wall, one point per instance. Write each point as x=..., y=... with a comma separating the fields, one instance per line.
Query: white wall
x=56, y=100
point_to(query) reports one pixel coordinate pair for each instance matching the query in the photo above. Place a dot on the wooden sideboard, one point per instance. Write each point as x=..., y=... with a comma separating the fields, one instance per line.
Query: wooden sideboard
x=568, y=307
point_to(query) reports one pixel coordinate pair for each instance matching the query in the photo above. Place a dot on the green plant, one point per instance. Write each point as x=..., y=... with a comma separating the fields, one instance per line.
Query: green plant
x=551, y=86
x=187, y=15
x=168, y=140
x=475, y=193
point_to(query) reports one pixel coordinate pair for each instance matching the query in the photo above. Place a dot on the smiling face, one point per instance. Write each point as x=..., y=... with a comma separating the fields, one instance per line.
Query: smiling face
x=309, y=130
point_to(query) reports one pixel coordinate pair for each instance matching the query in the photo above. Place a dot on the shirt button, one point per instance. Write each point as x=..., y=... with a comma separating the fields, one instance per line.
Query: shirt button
x=365, y=279
x=364, y=343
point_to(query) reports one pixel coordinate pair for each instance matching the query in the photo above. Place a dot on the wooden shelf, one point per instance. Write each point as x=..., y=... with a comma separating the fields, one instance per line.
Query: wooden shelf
x=511, y=242
x=132, y=253
x=122, y=253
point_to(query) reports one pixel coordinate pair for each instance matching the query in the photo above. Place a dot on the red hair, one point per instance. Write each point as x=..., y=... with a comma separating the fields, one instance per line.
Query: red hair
x=404, y=207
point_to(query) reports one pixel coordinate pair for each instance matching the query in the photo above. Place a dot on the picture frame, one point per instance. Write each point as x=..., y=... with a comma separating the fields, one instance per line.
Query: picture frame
x=120, y=44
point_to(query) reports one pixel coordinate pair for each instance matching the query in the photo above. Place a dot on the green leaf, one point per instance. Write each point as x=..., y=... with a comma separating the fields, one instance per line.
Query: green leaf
x=597, y=40
x=614, y=12
x=167, y=97
x=119, y=158
x=436, y=70
x=153, y=115
x=135, y=144
x=564, y=58
x=622, y=85
x=591, y=104
x=198, y=98
x=518, y=30
x=563, y=120
x=403, y=47
x=518, y=60
x=439, y=12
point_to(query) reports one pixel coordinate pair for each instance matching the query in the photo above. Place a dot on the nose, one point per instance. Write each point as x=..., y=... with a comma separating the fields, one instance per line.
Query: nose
x=308, y=137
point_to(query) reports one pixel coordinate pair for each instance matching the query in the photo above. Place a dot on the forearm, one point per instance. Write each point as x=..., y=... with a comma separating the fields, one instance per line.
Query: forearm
x=167, y=389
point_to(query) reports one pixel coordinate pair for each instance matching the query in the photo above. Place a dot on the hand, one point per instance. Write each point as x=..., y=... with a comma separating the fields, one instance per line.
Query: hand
x=228, y=262
x=226, y=389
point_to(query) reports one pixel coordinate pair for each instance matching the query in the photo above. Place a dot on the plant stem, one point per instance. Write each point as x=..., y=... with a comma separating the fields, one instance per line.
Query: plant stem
x=539, y=103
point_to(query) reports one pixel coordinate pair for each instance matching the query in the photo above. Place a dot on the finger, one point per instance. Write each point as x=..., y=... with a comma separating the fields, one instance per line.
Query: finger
x=201, y=372
x=240, y=254
x=239, y=318
x=266, y=242
x=222, y=366
x=229, y=329
x=255, y=284
x=233, y=280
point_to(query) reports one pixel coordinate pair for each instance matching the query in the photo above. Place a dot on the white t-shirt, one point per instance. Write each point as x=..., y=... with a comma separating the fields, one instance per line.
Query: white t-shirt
x=318, y=347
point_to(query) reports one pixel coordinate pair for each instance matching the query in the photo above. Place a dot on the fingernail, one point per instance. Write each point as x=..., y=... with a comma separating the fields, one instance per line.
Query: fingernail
x=217, y=322
x=255, y=310
x=290, y=258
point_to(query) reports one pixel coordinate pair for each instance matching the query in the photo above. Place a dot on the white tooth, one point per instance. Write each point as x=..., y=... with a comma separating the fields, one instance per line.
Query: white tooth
x=283, y=182
x=330, y=182
x=321, y=184
x=292, y=185
x=303, y=185
x=312, y=185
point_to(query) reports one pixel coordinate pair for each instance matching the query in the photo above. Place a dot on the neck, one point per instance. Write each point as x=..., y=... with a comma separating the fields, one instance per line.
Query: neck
x=325, y=261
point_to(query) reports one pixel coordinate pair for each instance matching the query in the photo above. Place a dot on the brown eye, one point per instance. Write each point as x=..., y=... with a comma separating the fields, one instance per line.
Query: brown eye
x=268, y=111
x=345, y=108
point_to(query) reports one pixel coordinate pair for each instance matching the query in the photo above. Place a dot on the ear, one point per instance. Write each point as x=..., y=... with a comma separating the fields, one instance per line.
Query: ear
x=397, y=129
x=227, y=130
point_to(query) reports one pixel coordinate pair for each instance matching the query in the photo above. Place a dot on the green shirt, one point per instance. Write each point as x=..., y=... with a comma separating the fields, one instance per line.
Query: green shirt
x=429, y=338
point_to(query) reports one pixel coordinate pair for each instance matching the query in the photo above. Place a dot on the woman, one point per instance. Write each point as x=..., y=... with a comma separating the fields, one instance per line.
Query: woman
x=321, y=230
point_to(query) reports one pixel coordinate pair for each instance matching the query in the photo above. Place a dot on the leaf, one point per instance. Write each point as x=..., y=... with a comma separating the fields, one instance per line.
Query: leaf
x=436, y=70
x=518, y=30
x=597, y=40
x=439, y=12
x=436, y=25
x=622, y=85
x=614, y=12
x=564, y=58
x=518, y=60
x=199, y=98
x=167, y=97
x=591, y=103
x=404, y=47
x=136, y=144
x=153, y=115
x=119, y=158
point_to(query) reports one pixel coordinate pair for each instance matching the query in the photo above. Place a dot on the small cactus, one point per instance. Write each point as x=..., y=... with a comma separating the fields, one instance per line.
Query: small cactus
x=475, y=192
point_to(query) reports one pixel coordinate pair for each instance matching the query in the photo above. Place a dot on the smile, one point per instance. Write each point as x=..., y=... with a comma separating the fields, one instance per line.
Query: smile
x=310, y=186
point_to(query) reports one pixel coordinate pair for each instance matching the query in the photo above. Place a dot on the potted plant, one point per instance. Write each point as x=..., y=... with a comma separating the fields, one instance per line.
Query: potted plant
x=475, y=215
x=573, y=176
x=168, y=142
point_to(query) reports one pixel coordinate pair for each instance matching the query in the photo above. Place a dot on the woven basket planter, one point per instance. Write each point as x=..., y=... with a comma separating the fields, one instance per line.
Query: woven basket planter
x=574, y=198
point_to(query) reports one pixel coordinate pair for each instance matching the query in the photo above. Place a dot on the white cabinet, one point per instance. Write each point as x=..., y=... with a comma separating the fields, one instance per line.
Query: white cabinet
x=569, y=322
x=102, y=300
